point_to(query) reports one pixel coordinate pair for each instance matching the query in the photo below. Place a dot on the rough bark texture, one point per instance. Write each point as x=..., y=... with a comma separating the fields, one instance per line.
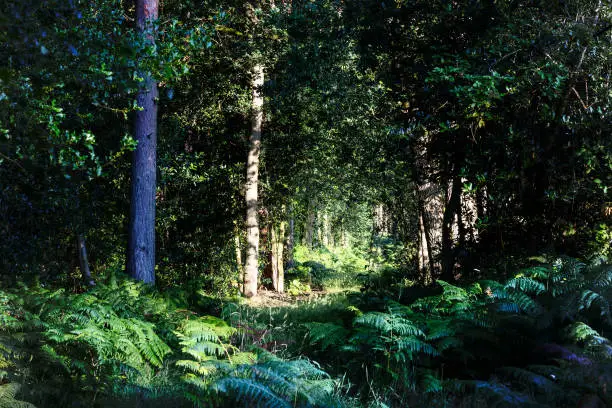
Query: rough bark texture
x=252, y=183
x=141, y=244
x=83, y=262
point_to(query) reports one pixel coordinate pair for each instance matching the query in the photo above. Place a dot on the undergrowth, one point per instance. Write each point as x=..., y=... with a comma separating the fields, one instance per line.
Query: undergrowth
x=124, y=344
x=537, y=339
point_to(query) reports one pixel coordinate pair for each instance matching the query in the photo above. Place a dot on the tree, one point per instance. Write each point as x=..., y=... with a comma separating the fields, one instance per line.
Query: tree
x=252, y=184
x=141, y=244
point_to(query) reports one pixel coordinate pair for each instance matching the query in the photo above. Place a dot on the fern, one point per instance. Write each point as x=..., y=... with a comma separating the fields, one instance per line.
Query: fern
x=277, y=383
x=326, y=335
x=526, y=285
x=8, y=394
x=430, y=383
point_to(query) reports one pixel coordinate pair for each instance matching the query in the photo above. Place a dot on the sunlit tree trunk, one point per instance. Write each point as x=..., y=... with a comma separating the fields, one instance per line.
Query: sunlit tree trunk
x=423, y=247
x=141, y=243
x=252, y=185
x=238, y=255
x=277, y=240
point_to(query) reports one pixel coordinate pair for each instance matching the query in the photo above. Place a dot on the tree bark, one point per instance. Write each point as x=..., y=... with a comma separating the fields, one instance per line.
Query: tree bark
x=290, y=240
x=252, y=184
x=83, y=262
x=453, y=207
x=277, y=239
x=431, y=208
x=325, y=231
x=238, y=255
x=309, y=225
x=141, y=244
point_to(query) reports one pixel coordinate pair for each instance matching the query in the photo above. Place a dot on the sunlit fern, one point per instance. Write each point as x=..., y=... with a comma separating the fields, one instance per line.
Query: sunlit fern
x=221, y=374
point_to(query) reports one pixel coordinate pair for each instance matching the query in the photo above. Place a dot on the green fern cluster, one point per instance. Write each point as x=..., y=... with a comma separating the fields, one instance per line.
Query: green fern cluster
x=464, y=343
x=86, y=345
x=221, y=375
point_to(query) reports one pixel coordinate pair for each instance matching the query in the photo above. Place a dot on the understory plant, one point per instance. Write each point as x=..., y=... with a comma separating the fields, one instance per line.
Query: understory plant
x=534, y=340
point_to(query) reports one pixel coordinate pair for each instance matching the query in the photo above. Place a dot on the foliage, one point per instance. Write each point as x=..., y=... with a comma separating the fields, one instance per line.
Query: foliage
x=329, y=269
x=435, y=346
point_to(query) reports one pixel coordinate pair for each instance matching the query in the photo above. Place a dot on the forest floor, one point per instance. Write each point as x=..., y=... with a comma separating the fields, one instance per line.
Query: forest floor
x=269, y=298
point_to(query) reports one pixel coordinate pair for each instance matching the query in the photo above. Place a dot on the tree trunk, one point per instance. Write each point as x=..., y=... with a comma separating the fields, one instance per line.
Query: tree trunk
x=277, y=239
x=424, y=257
x=238, y=255
x=325, y=231
x=453, y=207
x=344, y=237
x=83, y=262
x=290, y=240
x=431, y=208
x=252, y=183
x=309, y=226
x=141, y=244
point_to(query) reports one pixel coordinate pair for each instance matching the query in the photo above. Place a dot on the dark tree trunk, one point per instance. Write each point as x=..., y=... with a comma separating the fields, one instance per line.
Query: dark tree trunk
x=290, y=240
x=141, y=244
x=452, y=209
x=83, y=262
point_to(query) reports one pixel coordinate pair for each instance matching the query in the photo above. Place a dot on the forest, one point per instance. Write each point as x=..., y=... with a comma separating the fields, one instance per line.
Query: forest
x=305, y=203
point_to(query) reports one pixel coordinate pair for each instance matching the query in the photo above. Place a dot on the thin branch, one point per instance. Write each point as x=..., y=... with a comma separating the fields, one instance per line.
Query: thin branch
x=13, y=161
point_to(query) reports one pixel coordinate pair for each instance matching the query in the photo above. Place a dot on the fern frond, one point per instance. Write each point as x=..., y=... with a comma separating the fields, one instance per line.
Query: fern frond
x=526, y=285
x=537, y=272
x=326, y=334
x=580, y=331
x=416, y=346
x=375, y=320
x=440, y=328
x=429, y=383
x=589, y=298
x=250, y=392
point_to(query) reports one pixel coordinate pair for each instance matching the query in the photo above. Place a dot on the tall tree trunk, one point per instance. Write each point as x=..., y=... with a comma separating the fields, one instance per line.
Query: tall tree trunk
x=431, y=209
x=309, y=225
x=83, y=262
x=424, y=250
x=453, y=207
x=252, y=183
x=141, y=244
x=344, y=237
x=290, y=240
x=277, y=239
x=238, y=255
x=325, y=230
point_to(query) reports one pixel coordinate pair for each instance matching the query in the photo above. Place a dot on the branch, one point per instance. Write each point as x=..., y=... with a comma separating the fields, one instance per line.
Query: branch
x=13, y=161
